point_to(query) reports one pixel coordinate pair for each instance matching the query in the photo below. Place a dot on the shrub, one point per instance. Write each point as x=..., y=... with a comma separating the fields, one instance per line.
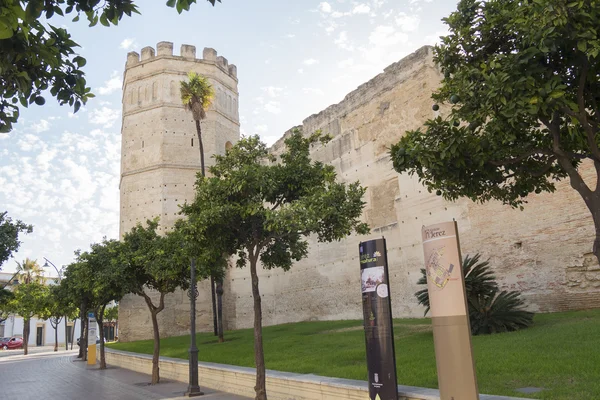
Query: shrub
x=490, y=310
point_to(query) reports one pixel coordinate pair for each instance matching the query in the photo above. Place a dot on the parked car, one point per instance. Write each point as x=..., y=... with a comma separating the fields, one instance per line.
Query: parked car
x=12, y=343
x=97, y=340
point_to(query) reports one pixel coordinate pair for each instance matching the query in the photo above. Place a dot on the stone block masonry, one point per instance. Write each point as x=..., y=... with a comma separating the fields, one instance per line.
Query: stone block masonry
x=543, y=251
x=160, y=159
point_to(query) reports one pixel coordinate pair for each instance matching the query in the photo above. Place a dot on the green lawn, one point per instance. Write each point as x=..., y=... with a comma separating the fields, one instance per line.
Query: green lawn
x=560, y=352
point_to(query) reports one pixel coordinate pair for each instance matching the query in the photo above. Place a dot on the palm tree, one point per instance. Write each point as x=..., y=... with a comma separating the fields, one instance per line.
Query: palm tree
x=196, y=96
x=29, y=271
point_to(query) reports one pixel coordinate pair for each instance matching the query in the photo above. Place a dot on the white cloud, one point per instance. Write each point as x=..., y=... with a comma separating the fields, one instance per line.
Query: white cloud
x=273, y=107
x=325, y=7
x=272, y=91
x=261, y=128
x=41, y=126
x=128, y=44
x=300, y=70
x=313, y=91
x=407, y=23
x=361, y=9
x=104, y=116
x=346, y=63
x=111, y=85
x=385, y=36
x=311, y=61
x=290, y=36
x=342, y=41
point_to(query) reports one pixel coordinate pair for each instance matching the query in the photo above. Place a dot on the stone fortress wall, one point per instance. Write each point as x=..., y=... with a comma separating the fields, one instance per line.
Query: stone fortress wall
x=543, y=251
x=160, y=158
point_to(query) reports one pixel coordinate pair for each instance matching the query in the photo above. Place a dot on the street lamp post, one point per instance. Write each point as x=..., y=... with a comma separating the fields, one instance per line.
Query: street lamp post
x=193, y=388
x=59, y=273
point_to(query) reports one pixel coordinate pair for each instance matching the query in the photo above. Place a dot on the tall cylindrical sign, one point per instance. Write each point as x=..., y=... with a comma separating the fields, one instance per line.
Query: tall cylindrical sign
x=91, y=347
x=377, y=310
x=450, y=319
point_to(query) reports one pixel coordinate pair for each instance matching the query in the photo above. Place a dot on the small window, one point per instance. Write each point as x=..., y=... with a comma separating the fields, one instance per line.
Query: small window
x=142, y=144
x=192, y=142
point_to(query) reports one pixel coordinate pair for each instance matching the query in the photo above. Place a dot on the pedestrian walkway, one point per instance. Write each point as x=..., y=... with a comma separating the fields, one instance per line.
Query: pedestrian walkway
x=62, y=376
x=33, y=350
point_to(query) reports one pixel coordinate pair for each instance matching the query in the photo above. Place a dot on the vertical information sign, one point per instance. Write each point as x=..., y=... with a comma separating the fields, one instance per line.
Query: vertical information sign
x=377, y=311
x=449, y=316
x=92, y=326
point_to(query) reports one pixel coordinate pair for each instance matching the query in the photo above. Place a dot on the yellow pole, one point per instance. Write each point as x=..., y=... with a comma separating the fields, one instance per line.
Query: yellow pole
x=92, y=326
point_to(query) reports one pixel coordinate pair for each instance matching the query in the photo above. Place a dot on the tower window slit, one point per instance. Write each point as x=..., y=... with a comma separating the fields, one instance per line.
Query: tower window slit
x=192, y=142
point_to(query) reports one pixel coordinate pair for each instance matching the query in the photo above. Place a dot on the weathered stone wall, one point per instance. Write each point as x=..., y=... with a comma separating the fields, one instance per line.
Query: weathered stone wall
x=160, y=159
x=542, y=251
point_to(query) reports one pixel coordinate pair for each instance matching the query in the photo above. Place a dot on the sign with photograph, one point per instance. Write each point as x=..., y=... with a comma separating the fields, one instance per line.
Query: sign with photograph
x=377, y=311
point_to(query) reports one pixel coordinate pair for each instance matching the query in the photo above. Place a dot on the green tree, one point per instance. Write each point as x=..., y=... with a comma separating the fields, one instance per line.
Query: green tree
x=197, y=95
x=78, y=291
x=5, y=299
x=29, y=300
x=37, y=56
x=523, y=81
x=107, y=282
x=29, y=271
x=155, y=265
x=9, y=234
x=265, y=210
x=111, y=314
x=57, y=307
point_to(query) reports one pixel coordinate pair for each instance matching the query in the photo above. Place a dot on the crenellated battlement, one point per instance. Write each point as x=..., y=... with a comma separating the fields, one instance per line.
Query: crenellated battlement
x=187, y=52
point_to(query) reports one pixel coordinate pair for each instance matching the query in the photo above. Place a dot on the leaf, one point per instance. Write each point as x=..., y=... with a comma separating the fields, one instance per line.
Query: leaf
x=582, y=46
x=171, y=3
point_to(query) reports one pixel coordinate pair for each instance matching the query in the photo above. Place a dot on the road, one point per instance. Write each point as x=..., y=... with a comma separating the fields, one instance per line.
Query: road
x=62, y=376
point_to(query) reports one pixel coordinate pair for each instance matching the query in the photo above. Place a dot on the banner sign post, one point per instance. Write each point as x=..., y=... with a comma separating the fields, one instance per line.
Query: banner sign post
x=377, y=311
x=449, y=316
x=92, y=326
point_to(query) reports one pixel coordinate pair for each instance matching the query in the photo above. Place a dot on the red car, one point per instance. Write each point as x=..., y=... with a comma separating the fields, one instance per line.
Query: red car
x=11, y=343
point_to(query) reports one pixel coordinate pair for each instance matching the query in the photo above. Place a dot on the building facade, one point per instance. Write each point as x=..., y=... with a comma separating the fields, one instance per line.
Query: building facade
x=522, y=246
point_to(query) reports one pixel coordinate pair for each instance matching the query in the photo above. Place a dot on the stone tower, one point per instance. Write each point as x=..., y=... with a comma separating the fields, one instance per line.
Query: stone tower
x=160, y=158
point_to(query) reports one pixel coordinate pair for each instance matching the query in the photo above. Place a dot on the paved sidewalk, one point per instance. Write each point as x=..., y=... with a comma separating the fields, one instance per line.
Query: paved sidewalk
x=62, y=376
x=34, y=350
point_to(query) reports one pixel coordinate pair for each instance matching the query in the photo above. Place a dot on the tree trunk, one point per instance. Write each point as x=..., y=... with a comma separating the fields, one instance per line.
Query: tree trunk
x=259, y=356
x=73, y=332
x=56, y=337
x=200, y=145
x=82, y=308
x=220, y=308
x=84, y=341
x=156, y=353
x=214, y=305
x=25, y=335
x=100, y=319
x=66, y=333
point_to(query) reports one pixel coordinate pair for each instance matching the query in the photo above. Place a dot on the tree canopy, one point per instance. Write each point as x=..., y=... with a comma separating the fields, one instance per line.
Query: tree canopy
x=522, y=82
x=262, y=208
x=9, y=235
x=38, y=56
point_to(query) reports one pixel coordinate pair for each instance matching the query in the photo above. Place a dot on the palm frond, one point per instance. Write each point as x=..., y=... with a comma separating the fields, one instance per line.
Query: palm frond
x=196, y=94
x=489, y=311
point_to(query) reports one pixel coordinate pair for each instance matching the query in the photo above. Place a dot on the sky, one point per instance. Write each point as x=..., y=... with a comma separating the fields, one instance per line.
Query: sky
x=60, y=171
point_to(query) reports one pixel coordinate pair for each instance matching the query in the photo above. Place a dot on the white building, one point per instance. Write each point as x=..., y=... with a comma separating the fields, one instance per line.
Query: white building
x=41, y=332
